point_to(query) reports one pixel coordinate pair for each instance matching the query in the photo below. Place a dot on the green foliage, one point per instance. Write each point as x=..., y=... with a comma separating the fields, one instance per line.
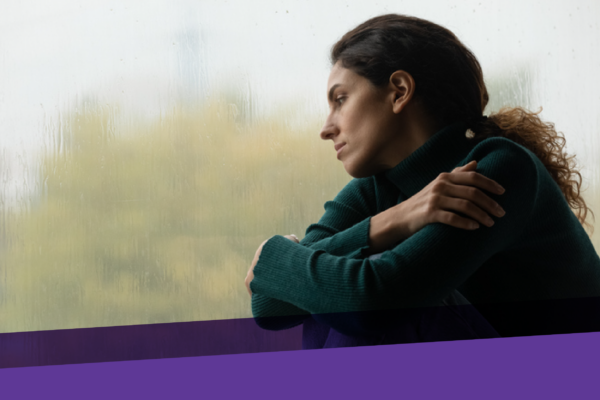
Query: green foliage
x=158, y=223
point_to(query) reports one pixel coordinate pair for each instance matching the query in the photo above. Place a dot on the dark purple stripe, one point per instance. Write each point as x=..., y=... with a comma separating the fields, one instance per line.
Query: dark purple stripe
x=545, y=367
x=142, y=342
x=237, y=336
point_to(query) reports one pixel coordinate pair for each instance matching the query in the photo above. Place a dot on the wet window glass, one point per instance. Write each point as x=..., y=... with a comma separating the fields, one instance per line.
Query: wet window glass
x=147, y=149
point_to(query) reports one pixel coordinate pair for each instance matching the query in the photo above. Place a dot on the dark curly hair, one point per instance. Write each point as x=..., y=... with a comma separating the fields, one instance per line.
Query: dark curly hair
x=450, y=86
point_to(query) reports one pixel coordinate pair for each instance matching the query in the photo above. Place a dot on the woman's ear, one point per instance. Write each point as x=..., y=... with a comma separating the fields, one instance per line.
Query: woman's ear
x=402, y=86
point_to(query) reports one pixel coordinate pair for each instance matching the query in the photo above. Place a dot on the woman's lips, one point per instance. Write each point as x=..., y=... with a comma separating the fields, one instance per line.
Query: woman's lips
x=338, y=148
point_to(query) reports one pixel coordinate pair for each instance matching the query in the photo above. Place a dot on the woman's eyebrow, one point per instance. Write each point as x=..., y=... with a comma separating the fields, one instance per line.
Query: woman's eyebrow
x=330, y=96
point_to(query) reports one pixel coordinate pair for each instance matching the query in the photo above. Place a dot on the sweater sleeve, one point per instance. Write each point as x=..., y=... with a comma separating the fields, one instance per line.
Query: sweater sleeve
x=344, y=228
x=419, y=272
x=342, y=231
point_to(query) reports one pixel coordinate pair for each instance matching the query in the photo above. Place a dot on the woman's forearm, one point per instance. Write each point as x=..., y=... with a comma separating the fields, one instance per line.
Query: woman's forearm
x=461, y=191
x=385, y=230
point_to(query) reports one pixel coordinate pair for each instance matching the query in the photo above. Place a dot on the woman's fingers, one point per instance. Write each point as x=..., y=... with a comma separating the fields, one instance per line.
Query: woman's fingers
x=466, y=187
x=469, y=166
x=472, y=178
x=463, y=192
x=468, y=208
x=247, y=281
x=292, y=237
x=452, y=219
x=475, y=196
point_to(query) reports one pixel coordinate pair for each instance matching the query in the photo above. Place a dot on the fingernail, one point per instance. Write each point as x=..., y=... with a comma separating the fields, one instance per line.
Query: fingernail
x=500, y=211
x=500, y=189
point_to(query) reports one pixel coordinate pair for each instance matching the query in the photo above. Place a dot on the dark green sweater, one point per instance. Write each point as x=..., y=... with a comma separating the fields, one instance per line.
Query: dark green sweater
x=534, y=256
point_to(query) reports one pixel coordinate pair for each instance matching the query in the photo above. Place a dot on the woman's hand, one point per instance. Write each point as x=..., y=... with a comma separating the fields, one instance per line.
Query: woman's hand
x=459, y=191
x=250, y=274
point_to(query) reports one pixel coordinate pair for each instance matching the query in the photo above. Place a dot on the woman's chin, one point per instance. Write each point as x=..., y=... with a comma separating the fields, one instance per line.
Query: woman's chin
x=349, y=168
x=362, y=171
x=355, y=172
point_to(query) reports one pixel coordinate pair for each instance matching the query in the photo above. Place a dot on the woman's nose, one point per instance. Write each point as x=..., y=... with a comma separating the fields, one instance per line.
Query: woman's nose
x=328, y=131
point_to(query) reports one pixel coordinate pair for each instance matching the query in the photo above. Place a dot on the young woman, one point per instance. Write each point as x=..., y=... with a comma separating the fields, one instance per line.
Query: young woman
x=456, y=226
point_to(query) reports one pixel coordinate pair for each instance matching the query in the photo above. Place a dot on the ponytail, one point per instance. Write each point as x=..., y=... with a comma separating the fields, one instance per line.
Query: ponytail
x=527, y=129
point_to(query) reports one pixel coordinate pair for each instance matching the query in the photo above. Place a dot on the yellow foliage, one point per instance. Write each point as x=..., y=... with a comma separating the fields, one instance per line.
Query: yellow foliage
x=158, y=223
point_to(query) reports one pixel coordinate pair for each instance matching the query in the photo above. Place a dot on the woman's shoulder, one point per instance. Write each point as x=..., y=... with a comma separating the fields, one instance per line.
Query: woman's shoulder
x=500, y=152
x=498, y=144
x=513, y=166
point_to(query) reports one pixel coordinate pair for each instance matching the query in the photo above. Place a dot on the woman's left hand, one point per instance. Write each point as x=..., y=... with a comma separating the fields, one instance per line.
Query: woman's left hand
x=250, y=274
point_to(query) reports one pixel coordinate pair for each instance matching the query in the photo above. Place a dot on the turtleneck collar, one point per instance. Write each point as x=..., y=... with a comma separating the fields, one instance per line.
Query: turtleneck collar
x=441, y=153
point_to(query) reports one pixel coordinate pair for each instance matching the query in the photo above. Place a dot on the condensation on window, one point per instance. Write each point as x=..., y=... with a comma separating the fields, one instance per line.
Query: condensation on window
x=146, y=152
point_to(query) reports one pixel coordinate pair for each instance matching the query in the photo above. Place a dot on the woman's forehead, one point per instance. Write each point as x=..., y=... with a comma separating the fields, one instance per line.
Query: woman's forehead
x=342, y=76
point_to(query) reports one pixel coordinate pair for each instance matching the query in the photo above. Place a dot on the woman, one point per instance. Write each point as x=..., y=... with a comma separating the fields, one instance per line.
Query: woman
x=424, y=244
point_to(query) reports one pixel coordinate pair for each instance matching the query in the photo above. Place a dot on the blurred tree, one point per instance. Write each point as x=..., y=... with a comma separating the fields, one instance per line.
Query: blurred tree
x=159, y=223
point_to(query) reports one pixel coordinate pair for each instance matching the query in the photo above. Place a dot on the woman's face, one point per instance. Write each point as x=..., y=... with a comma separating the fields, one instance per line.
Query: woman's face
x=365, y=123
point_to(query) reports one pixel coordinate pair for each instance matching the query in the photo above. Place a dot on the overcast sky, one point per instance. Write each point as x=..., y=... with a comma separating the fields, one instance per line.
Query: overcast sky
x=146, y=55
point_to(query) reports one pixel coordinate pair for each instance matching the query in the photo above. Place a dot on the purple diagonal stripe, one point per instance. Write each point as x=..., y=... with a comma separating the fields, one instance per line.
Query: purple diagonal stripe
x=238, y=336
x=544, y=367
x=142, y=342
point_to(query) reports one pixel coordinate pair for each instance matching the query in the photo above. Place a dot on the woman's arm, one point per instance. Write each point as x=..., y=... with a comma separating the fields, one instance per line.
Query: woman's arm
x=440, y=201
x=450, y=192
x=342, y=231
x=420, y=271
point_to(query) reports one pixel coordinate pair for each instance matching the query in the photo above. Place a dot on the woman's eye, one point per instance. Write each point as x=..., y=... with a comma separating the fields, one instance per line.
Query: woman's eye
x=340, y=100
